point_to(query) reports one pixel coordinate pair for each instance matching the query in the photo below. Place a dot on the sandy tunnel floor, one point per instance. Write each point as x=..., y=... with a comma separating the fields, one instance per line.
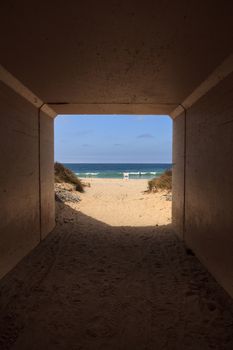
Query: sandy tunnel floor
x=95, y=285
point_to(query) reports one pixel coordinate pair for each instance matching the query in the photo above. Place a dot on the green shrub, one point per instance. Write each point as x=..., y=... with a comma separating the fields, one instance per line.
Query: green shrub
x=63, y=174
x=163, y=182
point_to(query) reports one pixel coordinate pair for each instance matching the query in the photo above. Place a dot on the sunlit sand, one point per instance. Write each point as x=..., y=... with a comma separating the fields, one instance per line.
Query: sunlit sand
x=119, y=202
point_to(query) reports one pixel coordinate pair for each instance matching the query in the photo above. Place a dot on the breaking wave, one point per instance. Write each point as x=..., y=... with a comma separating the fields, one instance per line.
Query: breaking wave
x=112, y=174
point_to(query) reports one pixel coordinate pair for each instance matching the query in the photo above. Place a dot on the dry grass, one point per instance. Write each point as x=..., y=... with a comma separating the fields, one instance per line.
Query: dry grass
x=63, y=174
x=163, y=182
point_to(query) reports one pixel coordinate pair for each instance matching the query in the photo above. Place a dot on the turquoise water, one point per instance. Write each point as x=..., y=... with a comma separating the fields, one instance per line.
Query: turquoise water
x=115, y=171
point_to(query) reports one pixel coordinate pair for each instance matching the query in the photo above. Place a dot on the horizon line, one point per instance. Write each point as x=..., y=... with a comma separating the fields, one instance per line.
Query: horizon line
x=114, y=163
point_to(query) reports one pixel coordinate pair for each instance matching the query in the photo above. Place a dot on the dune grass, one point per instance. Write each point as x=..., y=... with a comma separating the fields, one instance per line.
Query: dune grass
x=63, y=174
x=163, y=182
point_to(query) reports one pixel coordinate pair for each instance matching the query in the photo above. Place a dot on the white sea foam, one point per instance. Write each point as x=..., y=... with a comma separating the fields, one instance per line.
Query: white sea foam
x=143, y=173
x=93, y=174
x=115, y=174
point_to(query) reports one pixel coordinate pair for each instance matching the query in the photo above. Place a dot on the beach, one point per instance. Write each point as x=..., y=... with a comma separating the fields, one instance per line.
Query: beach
x=119, y=202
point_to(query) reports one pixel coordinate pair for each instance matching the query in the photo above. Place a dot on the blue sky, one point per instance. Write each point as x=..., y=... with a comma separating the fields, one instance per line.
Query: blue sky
x=113, y=139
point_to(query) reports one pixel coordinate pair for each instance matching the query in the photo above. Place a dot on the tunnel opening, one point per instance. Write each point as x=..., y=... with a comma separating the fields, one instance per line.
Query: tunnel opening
x=124, y=163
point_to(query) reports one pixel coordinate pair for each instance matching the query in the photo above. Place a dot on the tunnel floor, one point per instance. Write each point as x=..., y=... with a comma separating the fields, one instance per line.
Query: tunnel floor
x=112, y=288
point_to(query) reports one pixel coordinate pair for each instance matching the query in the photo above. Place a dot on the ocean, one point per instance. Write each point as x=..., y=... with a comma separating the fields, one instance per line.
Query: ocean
x=115, y=171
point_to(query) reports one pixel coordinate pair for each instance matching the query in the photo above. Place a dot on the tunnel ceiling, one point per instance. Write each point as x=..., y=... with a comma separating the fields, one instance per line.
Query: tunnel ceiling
x=114, y=52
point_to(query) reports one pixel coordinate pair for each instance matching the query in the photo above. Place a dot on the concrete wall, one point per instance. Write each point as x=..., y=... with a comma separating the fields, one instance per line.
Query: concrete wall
x=178, y=177
x=47, y=174
x=19, y=178
x=209, y=181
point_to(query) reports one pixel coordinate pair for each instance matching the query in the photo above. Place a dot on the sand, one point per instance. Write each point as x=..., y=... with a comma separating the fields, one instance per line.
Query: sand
x=124, y=203
x=108, y=278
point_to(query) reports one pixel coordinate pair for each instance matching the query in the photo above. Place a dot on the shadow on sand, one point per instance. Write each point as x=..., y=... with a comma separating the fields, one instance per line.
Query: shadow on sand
x=89, y=285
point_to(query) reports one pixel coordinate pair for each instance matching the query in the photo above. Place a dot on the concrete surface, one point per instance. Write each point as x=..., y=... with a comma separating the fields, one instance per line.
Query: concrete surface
x=47, y=174
x=209, y=181
x=19, y=182
x=178, y=175
x=27, y=195
x=114, y=52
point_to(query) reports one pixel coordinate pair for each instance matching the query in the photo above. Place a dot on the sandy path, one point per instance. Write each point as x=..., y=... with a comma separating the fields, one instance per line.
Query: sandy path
x=124, y=203
x=94, y=285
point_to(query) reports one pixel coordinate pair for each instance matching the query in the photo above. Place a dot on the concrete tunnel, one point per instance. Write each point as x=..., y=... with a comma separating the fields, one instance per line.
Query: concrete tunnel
x=158, y=57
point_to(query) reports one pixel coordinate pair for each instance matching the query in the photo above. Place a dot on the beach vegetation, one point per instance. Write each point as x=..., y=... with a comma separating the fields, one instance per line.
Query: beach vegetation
x=63, y=174
x=163, y=182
